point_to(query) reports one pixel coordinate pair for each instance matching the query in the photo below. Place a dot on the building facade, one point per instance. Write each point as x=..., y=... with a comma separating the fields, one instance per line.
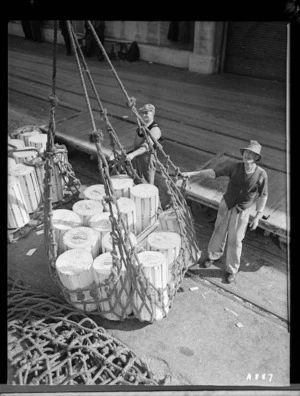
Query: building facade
x=254, y=49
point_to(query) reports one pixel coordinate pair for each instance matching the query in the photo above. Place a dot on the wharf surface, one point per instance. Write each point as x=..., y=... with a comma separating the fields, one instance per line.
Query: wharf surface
x=199, y=343
x=199, y=115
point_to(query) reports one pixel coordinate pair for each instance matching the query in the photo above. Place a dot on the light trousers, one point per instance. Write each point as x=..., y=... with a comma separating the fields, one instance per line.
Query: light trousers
x=230, y=227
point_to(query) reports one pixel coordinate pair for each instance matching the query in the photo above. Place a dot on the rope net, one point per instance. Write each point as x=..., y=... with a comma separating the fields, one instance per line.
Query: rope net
x=49, y=343
x=131, y=293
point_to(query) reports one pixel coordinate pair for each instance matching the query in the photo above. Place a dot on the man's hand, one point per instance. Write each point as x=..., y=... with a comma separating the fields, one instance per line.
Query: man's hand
x=189, y=174
x=254, y=222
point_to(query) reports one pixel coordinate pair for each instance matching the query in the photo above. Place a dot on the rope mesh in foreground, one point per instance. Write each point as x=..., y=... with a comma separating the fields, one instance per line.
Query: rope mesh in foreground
x=51, y=344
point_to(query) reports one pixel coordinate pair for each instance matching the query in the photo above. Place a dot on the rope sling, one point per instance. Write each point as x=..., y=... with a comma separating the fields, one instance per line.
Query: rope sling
x=50, y=343
x=124, y=253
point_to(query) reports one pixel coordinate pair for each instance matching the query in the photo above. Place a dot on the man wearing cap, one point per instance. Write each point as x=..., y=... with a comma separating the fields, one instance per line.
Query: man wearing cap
x=246, y=182
x=143, y=159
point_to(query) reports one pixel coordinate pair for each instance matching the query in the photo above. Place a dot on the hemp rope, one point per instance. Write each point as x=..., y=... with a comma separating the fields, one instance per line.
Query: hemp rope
x=50, y=343
x=150, y=296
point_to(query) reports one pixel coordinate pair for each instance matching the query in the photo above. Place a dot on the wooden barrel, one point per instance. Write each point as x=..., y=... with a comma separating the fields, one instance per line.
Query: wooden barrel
x=84, y=238
x=29, y=185
x=122, y=185
x=17, y=214
x=64, y=220
x=38, y=141
x=112, y=309
x=60, y=160
x=168, y=221
x=169, y=244
x=14, y=144
x=11, y=163
x=107, y=245
x=25, y=136
x=128, y=213
x=146, y=199
x=26, y=128
x=100, y=223
x=154, y=264
x=74, y=269
x=22, y=156
x=62, y=153
x=86, y=208
x=57, y=189
x=95, y=192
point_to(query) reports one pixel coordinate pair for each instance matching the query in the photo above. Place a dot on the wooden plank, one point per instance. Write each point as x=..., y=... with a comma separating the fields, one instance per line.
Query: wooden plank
x=82, y=123
x=210, y=142
x=178, y=137
x=202, y=109
x=37, y=107
x=81, y=144
x=187, y=110
x=67, y=98
x=80, y=129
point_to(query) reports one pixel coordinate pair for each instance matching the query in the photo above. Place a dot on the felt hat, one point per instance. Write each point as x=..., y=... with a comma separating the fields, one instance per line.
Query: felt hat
x=255, y=147
x=147, y=107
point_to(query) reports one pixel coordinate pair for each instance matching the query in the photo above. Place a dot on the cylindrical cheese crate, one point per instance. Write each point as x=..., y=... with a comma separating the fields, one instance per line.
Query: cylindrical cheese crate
x=62, y=152
x=24, y=129
x=29, y=185
x=169, y=244
x=146, y=199
x=39, y=141
x=128, y=213
x=86, y=208
x=25, y=136
x=168, y=221
x=84, y=238
x=61, y=163
x=22, y=156
x=57, y=190
x=17, y=214
x=112, y=309
x=101, y=223
x=122, y=185
x=64, y=220
x=11, y=163
x=74, y=269
x=107, y=244
x=95, y=192
x=154, y=266
x=14, y=144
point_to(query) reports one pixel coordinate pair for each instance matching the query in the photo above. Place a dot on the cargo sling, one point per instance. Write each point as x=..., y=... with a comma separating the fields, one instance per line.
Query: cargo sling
x=151, y=297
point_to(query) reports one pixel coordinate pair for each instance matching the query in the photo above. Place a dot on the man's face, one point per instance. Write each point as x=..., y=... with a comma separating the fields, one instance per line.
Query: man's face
x=249, y=157
x=148, y=116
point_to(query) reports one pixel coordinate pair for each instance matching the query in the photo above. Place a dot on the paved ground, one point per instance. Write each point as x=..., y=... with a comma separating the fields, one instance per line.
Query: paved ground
x=200, y=342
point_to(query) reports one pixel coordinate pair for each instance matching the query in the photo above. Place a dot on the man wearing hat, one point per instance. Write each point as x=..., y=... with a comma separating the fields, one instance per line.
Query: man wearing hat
x=143, y=159
x=247, y=181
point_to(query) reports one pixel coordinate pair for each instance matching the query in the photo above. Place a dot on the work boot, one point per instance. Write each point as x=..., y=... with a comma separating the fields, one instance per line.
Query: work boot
x=208, y=263
x=231, y=277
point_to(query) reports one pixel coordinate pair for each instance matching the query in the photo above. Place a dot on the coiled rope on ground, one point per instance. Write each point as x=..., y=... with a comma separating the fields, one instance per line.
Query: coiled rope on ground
x=50, y=343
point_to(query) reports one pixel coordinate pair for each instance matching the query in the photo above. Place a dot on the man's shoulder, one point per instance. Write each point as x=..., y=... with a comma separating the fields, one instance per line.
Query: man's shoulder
x=262, y=171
